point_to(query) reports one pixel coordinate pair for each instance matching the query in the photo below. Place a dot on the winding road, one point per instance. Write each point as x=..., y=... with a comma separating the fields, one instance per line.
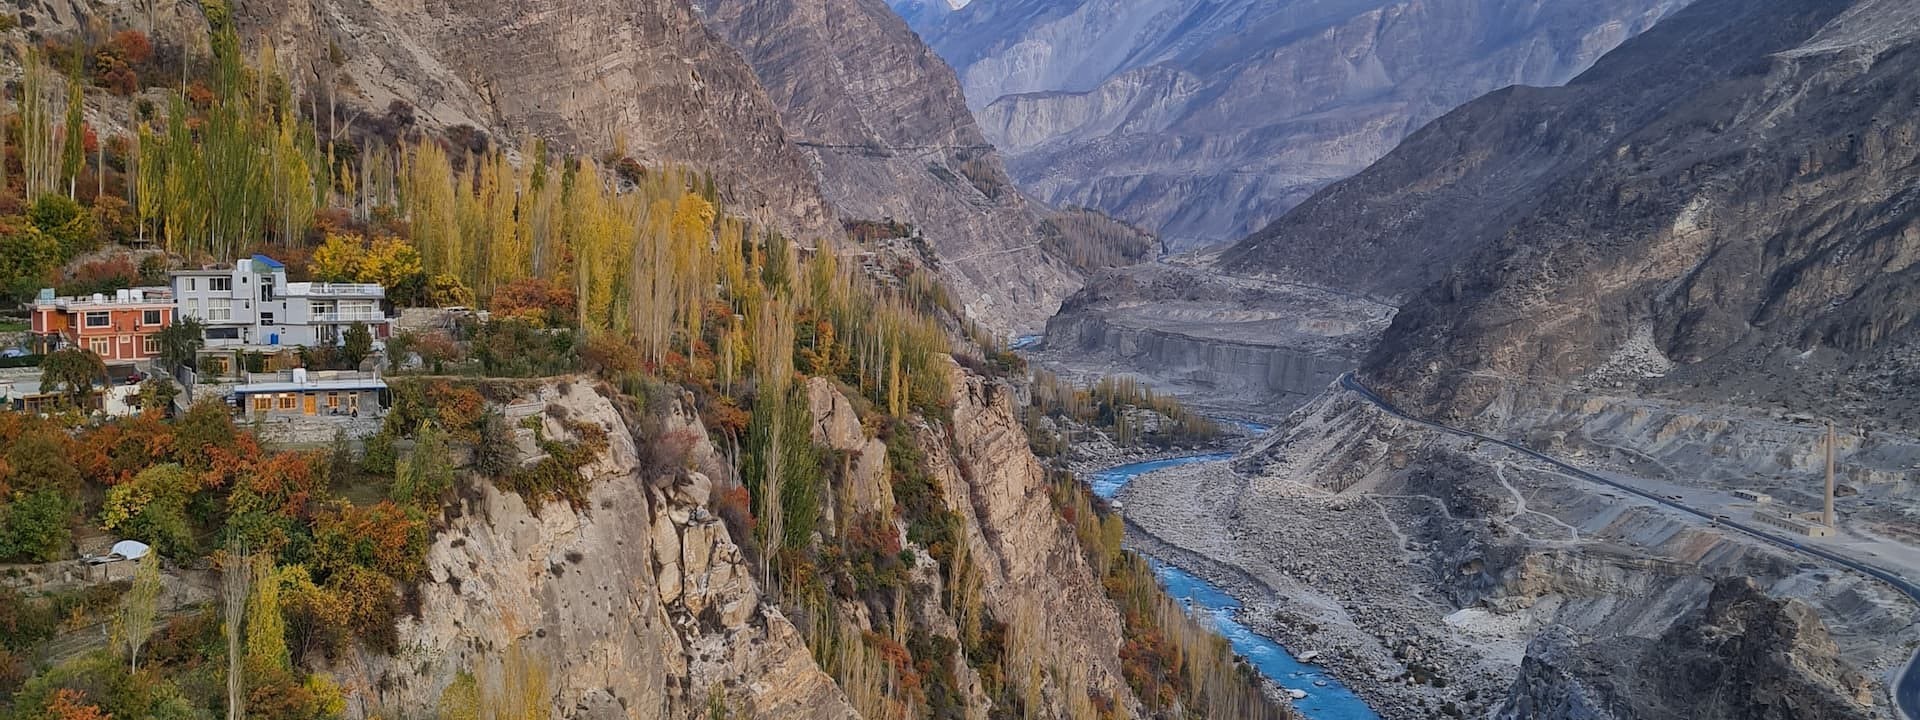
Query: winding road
x=1906, y=689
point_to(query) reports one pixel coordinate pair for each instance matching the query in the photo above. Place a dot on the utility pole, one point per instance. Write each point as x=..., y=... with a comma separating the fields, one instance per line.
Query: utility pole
x=1830, y=450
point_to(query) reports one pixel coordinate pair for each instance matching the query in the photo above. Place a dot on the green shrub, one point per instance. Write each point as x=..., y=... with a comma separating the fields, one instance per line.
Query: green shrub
x=33, y=526
x=380, y=456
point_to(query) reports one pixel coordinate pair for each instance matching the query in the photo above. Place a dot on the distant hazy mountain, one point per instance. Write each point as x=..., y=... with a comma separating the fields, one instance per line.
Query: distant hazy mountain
x=1731, y=194
x=1203, y=120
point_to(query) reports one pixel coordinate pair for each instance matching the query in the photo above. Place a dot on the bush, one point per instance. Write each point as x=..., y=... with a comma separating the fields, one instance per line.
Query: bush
x=33, y=526
x=380, y=455
x=72, y=227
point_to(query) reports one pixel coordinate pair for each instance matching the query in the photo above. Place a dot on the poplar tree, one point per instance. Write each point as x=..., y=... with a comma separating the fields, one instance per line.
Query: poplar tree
x=139, y=609
x=73, y=155
x=39, y=145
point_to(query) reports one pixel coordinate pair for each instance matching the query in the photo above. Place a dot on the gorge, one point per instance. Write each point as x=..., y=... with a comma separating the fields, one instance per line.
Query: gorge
x=1057, y=359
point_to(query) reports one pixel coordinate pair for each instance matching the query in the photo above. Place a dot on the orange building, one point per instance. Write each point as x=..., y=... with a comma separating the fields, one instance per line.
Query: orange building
x=122, y=327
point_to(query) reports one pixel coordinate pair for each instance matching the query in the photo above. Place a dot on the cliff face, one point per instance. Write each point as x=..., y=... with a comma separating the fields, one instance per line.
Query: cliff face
x=1031, y=569
x=587, y=75
x=1244, y=345
x=641, y=605
x=888, y=135
x=1724, y=196
x=637, y=606
x=1204, y=121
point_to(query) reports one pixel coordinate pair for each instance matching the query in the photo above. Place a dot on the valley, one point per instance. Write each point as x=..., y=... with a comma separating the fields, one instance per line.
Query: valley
x=960, y=360
x=1550, y=384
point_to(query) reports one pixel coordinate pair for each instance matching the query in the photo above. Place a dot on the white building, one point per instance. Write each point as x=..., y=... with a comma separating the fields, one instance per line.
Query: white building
x=252, y=305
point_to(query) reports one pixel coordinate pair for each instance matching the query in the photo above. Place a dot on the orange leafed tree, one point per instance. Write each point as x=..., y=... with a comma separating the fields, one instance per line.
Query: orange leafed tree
x=71, y=704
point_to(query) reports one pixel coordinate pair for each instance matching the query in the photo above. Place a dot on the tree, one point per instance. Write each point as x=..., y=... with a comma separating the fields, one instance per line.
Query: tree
x=73, y=155
x=73, y=370
x=39, y=144
x=152, y=508
x=428, y=471
x=28, y=258
x=71, y=704
x=358, y=344
x=379, y=458
x=139, y=608
x=236, y=577
x=338, y=259
x=33, y=526
x=62, y=218
x=157, y=393
x=495, y=454
x=180, y=342
x=266, y=626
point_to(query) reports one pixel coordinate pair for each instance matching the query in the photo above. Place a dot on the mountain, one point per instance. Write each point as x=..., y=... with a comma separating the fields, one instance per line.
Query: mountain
x=1203, y=121
x=884, y=128
x=587, y=77
x=1722, y=209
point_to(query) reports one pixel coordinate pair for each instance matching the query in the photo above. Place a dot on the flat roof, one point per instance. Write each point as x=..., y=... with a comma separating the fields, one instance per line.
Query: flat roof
x=322, y=385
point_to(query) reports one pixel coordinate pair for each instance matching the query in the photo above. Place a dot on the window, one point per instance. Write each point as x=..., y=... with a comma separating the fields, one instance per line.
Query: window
x=99, y=319
x=220, y=284
x=219, y=311
x=333, y=401
x=266, y=318
x=223, y=333
x=266, y=291
x=100, y=346
x=150, y=344
x=193, y=284
x=286, y=401
x=262, y=403
x=149, y=317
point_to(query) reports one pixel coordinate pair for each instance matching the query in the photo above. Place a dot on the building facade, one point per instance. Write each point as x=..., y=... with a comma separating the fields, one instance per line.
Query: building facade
x=253, y=305
x=120, y=328
x=293, y=393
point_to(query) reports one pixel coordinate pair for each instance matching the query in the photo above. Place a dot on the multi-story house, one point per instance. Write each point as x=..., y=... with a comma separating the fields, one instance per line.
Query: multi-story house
x=120, y=328
x=252, y=305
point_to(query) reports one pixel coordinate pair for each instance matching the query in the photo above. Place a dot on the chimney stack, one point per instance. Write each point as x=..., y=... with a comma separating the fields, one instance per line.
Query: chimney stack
x=1830, y=450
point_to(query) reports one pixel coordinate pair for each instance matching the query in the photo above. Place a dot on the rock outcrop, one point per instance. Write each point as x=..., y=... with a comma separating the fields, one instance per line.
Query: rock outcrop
x=1248, y=346
x=1028, y=564
x=888, y=135
x=637, y=605
x=1202, y=121
x=1742, y=655
x=1728, y=188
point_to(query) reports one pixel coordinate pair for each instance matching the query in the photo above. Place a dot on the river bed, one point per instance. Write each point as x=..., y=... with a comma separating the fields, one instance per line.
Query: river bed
x=1326, y=698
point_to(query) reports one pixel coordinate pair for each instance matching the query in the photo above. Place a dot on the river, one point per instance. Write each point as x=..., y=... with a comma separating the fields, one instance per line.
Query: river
x=1326, y=698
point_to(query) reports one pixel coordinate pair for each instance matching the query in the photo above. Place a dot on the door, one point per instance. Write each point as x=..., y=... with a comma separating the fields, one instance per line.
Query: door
x=313, y=403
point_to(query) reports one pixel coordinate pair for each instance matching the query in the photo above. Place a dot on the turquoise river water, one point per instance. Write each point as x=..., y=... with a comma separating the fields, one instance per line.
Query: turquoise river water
x=1326, y=698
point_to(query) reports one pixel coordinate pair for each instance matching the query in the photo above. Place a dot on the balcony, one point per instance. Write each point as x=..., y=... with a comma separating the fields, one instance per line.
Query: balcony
x=370, y=317
x=322, y=289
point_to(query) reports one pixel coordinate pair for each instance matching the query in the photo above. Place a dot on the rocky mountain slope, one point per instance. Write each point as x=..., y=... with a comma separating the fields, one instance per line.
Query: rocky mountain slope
x=1728, y=196
x=641, y=604
x=850, y=132
x=590, y=76
x=883, y=125
x=1203, y=121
